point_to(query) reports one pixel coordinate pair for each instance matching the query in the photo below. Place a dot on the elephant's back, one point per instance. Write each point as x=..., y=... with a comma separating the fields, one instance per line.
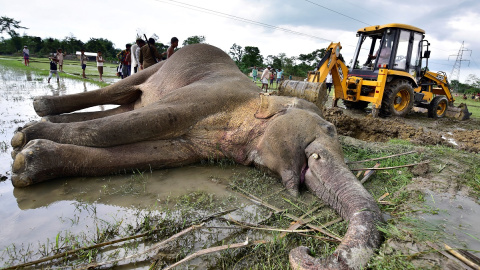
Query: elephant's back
x=199, y=65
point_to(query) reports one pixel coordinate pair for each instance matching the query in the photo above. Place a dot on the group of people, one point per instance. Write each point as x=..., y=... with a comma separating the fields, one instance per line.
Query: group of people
x=140, y=55
x=268, y=76
x=474, y=97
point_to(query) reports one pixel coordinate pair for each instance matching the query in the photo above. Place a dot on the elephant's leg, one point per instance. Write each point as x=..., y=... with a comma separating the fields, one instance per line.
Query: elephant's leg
x=85, y=116
x=43, y=160
x=121, y=93
x=153, y=122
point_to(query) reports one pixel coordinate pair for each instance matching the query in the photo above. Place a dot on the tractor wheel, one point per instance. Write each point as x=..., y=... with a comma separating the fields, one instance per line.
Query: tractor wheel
x=397, y=98
x=358, y=105
x=438, y=107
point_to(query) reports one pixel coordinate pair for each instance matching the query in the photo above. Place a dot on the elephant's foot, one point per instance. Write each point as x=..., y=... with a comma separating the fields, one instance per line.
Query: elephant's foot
x=35, y=163
x=31, y=131
x=18, y=141
x=44, y=105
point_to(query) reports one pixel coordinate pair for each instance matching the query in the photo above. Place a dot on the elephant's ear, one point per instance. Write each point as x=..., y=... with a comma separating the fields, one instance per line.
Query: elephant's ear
x=269, y=106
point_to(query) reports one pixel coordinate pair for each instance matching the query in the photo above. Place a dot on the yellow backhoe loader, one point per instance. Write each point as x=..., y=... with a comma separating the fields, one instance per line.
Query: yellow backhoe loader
x=386, y=71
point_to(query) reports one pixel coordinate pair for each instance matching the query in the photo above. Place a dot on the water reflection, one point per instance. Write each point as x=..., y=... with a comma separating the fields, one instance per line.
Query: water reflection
x=34, y=214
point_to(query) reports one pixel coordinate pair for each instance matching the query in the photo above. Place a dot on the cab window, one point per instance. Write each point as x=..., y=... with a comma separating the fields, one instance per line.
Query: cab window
x=402, y=50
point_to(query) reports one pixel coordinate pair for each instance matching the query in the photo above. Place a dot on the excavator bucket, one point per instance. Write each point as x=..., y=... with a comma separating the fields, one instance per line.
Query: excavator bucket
x=313, y=92
x=461, y=112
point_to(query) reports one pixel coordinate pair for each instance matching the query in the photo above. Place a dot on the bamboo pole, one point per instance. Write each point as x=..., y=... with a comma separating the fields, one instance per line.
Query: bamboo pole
x=394, y=167
x=380, y=158
x=214, y=249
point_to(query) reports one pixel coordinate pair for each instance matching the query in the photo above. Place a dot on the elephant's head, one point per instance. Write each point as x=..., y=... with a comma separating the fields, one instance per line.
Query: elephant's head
x=304, y=148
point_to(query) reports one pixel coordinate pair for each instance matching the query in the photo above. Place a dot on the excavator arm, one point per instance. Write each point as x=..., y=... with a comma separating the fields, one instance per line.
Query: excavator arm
x=314, y=88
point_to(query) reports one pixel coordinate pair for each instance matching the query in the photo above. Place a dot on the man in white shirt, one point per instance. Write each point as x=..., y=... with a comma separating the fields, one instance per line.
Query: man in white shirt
x=265, y=77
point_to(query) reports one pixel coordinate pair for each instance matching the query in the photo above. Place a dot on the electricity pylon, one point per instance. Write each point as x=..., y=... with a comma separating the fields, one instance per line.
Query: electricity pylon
x=455, y=75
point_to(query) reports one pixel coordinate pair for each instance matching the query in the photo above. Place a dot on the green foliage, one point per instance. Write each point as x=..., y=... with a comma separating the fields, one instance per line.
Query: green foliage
x=9, y=25
x=252, y=57
x=236, y=52
x=471, y=85
x=101, y=44
x=193, y=40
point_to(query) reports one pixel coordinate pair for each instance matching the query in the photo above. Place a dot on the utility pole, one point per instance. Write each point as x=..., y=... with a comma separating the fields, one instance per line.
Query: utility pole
x=455, y=75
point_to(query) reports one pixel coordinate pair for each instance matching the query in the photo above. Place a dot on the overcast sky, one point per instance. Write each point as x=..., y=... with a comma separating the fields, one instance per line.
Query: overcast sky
x=308, y=24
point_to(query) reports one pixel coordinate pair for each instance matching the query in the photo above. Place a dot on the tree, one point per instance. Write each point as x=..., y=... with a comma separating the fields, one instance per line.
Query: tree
x=50, y=45
x=252, y=57
x=9, y=25
x=313, y=58
x=71, y=44
x=101, y=44
x=193, y=40
x=236, y=52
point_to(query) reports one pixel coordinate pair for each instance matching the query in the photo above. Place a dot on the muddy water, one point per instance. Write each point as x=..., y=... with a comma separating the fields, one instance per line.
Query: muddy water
x=458, y=217
x=31, y=215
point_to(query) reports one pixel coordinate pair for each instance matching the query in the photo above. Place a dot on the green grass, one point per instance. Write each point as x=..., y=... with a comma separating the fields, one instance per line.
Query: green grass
x=72, y=69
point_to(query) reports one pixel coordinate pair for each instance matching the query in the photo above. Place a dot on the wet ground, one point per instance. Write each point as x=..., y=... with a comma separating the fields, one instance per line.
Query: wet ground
x=29, y=216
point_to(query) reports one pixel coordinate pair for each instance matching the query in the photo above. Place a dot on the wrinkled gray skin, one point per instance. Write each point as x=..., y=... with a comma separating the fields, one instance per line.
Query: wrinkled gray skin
x=194, y=106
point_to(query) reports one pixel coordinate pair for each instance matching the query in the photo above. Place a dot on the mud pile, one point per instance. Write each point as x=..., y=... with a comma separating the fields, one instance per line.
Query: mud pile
x=468, y=140
x=378, y=129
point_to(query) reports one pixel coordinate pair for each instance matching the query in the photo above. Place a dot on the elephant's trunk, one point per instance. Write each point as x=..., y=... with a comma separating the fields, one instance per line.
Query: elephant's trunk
x=330, y=179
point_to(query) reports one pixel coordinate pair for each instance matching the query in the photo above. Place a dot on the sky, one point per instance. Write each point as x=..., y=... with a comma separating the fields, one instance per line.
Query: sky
x=292, y=27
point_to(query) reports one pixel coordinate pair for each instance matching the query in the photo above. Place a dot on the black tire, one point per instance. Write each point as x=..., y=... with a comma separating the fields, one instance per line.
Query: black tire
x=397, y=98
x=438, y=107
x=359, y=105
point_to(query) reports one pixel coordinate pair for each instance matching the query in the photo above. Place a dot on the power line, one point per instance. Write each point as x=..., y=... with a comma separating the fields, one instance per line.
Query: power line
x=237, y=18
x=336, y=12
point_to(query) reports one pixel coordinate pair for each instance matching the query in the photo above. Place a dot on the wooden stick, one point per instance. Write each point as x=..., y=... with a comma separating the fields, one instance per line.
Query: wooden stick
x=299, y=222
x=383, y=196
x=461, y=257
x=214, y=249
x=369, y=173
x=455, y=259
x=70, y=252
x=257, y=228
x=380, y=158
x=389, y=168
x=151, y=249
x=260, y=201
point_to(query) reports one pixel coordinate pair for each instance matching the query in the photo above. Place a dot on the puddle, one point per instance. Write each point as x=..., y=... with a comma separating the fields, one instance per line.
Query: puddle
x=34, y=214
x=458, y=217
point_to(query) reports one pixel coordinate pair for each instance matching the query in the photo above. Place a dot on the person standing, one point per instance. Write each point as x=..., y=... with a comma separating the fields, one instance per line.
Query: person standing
x=126, y=61
x=140, y=43
x=254, y=73
x=279, y=76
x=83, y=62
x=329, y=81
x=100, y=61
x=173, y=46
x=53, y=68
x=149, y=55
x=60, y=56
x=26, y=56
x=272, y=76
x=265, y=77
x=134, y=59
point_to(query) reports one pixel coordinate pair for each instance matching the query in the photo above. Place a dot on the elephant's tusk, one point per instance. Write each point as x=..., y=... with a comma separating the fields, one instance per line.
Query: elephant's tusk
x=314, y=155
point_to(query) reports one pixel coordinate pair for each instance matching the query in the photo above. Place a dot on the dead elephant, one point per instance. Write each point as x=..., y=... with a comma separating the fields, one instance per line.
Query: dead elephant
x=191, y=107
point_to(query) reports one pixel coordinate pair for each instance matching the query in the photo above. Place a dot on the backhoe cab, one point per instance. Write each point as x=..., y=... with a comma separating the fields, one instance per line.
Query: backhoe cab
x=386, y=71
